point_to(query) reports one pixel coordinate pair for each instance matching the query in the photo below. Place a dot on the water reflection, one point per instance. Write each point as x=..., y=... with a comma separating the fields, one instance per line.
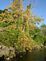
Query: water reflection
x=35, y=55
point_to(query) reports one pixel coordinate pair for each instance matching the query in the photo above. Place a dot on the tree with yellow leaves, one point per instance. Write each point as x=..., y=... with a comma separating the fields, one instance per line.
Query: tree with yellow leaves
x=16, y=24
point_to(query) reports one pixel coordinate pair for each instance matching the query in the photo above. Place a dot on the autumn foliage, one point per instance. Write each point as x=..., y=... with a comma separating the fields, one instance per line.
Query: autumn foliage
x=15, y=26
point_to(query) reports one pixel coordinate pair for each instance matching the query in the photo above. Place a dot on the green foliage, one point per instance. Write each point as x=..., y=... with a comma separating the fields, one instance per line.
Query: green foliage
x=17, y=25
x=38, y=35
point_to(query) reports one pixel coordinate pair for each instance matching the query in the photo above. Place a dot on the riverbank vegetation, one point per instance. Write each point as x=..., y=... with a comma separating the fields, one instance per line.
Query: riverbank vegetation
x=18, y=30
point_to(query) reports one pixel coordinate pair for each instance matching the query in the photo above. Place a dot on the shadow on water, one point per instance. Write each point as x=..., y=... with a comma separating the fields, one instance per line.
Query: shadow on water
x=2, y=58
x=35, y=55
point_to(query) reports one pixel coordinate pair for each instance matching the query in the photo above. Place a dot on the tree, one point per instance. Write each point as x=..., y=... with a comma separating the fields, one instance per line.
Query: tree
x=16, y=25
x=43, y=30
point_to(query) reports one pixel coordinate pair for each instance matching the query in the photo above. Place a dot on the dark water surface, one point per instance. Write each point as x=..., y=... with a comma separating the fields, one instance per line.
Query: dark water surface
x=35, y=55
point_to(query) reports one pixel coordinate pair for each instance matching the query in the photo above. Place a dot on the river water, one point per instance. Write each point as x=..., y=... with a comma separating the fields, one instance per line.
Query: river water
x=35, y=55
